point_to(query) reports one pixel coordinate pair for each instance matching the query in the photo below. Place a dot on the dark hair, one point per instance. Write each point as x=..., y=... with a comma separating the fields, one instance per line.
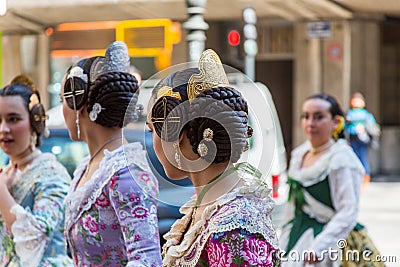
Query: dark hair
x=222, y=109
x=37, y=116
x=114, y=91
x=335, y=108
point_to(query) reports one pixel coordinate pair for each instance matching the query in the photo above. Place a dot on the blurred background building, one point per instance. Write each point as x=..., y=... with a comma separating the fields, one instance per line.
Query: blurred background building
x=301, y=47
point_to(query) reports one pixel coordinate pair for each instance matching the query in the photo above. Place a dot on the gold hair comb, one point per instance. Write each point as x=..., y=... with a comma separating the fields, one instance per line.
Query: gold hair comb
x=211, y=75
x=167, y=91
x=33, y=100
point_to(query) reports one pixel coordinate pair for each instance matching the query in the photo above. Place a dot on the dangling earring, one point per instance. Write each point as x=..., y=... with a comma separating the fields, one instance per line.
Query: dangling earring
x=177, y=155
x=33, y=141
x=78, y=129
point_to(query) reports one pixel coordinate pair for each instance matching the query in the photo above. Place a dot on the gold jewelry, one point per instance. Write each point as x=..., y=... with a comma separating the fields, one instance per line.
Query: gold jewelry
x=33, y=100
x=97, y=152
x=327, y=145
x=339, y=128
x=166, y=119
x=211, y=75
x=167, y=91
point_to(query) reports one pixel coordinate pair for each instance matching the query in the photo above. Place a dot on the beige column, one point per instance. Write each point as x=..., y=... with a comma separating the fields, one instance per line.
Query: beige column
x=346, y=62
x=12, y=64
x=319, y=67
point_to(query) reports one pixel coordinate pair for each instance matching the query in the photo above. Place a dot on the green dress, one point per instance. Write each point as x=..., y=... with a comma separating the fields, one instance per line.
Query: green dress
x=323, y=204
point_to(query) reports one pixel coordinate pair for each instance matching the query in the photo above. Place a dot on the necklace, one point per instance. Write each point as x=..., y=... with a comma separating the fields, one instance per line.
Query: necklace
x=207, y=187
x=97, y=152
x=27, y=159
x=316, y=150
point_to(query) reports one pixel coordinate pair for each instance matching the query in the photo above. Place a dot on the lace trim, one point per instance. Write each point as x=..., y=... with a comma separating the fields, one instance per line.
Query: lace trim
x=38, y=170
x=81, y=199
x=340, y=155
x=247, y=207
x=30, y=242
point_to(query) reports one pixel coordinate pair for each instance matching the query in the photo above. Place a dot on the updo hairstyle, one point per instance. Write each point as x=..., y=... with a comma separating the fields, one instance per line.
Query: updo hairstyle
x=113, y=92
x=221, y=109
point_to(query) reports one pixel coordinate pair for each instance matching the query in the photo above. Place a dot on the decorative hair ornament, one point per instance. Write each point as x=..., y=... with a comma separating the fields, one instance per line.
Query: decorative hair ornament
x=33, y=100
x=339, y=128
x=202, y=149
x=95, y=111
x=208, y=134
x=78, y=73
x=211, y=75
x=116, y=60
x=249, y=132
x=167, y=91
x=177, y=155
x=33, y=141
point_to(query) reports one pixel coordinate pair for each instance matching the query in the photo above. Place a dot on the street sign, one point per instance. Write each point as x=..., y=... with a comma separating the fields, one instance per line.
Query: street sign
x=319, y=29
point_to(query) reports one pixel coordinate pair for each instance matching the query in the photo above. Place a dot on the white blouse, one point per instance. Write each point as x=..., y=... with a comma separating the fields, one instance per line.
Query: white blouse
x=345, y=173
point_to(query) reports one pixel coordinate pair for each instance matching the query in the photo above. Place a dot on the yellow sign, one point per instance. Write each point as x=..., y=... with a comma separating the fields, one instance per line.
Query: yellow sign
x=150, y=38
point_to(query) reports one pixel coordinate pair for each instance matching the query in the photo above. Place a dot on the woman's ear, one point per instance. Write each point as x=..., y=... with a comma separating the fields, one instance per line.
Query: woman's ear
x=336, y=120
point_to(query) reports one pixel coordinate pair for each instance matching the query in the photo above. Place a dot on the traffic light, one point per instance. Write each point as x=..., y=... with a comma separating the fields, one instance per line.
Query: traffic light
x=234, y=38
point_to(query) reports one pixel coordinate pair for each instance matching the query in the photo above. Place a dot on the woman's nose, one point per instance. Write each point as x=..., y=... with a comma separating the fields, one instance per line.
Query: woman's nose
x=4, y=127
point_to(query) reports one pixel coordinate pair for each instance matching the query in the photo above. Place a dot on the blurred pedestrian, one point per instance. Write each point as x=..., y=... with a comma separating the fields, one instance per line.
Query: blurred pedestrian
x=325, y=177
x=200, y=129
x=361, y=129
x=111, y=214
x=33, y=185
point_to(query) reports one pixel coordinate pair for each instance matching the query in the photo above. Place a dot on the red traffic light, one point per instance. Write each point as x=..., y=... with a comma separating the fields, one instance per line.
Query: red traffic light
x=233, y=38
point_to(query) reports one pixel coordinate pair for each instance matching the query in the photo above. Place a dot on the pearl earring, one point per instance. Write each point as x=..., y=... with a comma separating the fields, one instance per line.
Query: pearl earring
x=177, y=155
x=33, y=141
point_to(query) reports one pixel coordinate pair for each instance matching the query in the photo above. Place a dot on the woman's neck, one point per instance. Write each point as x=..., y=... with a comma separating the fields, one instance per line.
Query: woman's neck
x=316, y=149
x=202, y=178
x=100, y=140
x=202, y=181
x=24, y=158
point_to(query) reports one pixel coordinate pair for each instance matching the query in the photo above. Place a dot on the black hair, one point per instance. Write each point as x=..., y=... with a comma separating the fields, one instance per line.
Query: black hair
x=113, y=91
x=221, y=109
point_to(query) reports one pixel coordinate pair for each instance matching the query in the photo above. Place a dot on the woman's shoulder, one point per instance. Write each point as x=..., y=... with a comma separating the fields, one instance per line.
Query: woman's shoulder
x=343, y=156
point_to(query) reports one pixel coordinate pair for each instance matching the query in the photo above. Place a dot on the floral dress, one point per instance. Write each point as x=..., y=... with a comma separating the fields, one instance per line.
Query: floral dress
x=236, y=230
x=112, y=219
x=36, y=237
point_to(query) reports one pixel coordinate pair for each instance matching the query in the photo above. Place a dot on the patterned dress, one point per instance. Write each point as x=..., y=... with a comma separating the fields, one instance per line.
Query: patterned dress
x=36, y=237
x=112, y=219
x=236, y=230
